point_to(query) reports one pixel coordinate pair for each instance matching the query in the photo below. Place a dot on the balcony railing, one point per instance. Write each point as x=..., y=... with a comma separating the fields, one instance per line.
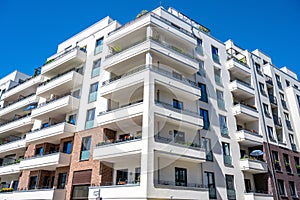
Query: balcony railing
x=201, y=72
x=122, y=106
x=269, y=80
x=206, y=124
x=239, y=61
x=221, y=103
x=289, y=125
x=171, y=107
x=294, y=147
x=204, y=97
x=231, y=194
x=216, y=58
x=246, y=105
x=11, y=162
x=53, y=100
x=243, y=83
x=171, y=142
x=279, y=85
x=218, y=80
x=110, y=142
x=178, y=184
x=227, y=159
x=56, y=77
x=20, y=83
x=224, y=131
x=209, y=156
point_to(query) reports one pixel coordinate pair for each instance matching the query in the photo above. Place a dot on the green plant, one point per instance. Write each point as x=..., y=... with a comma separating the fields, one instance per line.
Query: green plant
x=276, y=161
x=6, y=190
x=298, y=166
x=117, y=49
x=177, y=49
x=142, y=13
x=49, y=61
x=287, y=164
x=204, y=29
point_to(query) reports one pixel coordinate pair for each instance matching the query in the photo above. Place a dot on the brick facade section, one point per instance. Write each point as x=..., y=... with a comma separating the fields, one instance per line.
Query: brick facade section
x=100, y=172
x=283, y=175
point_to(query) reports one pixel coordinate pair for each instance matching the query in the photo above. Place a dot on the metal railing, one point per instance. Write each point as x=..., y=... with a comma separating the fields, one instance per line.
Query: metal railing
x=20, y=99
x=15, y=119
x=165, y=140
x=246, y=105
x=277, y=120
x=122, y=106
x=269, y=80
x=56, y=77
x=166, y=183
x=119, y=141
x=183, y=111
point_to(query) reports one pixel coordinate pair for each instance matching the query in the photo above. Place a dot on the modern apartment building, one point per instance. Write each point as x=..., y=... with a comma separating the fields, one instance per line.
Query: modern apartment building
x=153, y=109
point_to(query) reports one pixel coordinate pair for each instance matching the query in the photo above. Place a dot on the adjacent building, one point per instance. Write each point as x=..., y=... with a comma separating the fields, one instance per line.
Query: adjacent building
x=153, y=109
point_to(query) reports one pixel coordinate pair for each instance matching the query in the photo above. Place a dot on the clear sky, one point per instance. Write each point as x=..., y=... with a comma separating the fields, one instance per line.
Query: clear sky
x=32, y=29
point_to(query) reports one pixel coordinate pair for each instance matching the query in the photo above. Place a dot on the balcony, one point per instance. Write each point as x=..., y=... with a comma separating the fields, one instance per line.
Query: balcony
x=237, y=68
x=241, y=89
x=120, y=113
x=45, y=194
x=245, y=112
x=12, y=146
x=63, y=61
x=51, y=134
x=23, y=89
x=9, y=169
x=18, y=105
x=258, y=196
x=60, y=84
x=56, y=107
x=188, y=151
x=253, y=166
x=46, y=162
x=249, y=138
x=19, y=124
x=110, y=151
x=184, y=115
x=169, y=51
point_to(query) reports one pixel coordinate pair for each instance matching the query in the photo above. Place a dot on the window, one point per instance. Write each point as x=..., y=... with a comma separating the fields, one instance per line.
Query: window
x=180, y=176
x=32, y=182
x=223, y=124
x=226, y=153
x=288, y=83
x=99, y=46
x=297, y=163
x=72, y=119
x=220, y=100
x=262, y=89
x=204, y=114
x=62, y=179
x=270, y=132
x=80, y=192
x=278, y=81
x=298, y=100
x=122, y=177
x=266, y=110
x=137, y=175
x=281, y=188
x=258, y=69
x=218, y=79
x=39, y=151
x=287, y=163
x=230, y=186
x=76, y=94
x=67, y=148
x=215, y=54
x=276, y=160
x=247, y=185
x=204, y=97
x=179, y=137
x=85, y=148
x=93, y=92
x=45, y=125
x=199, y=48
x=291, y=137
x=201, y=71
x=292, y=189
x=205, y=143
x=209, y=181
x=90, y=116
x=177, y=104
x=96, y=68
x=176, y=75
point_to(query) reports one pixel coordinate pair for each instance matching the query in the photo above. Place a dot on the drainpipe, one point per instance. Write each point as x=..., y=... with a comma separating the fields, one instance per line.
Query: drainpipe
x=267, y=138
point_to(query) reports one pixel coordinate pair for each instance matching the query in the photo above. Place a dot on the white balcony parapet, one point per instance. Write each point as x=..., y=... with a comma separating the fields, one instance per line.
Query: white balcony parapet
x=52, y=161
x=64, y=60
x=258, y=196
x=12, y=145
x=38, y=194
x=16, y=123
x=52, y=132
x=245, y=111
x=9, y=169
x=237, y=85
x=249, y=138
x=63, y=82
x=253, y=166
x=128, y=191
x=234, y=64
x=22, y=86
x=18, y=104
x=63, y=105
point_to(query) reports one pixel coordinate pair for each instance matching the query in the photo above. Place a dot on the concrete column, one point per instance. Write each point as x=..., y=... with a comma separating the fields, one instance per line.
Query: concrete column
x=149, y=32
x=148, y=58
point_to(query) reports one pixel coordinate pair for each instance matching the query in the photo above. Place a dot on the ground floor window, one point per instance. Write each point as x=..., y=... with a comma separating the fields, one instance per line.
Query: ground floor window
x=80, y=192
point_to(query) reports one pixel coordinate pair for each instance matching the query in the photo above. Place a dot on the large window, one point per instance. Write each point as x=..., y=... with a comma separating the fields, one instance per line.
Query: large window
x=96, y=68
x=226, y=153
x=99, y=46
x=209, y=181
x=62, y=179
x=90, y=116
x=206, y=144
x=180, y=176
x=230, y=187
x=270, y=132
x=281, y=187
x=203, y=92
x=122, y=177
x=67, y=148
x=85, y=148
x=177, y=104
x=93, y=92
x=215, y=54
x=292, y=189
x=223, y=125
x=220, y=100
x=204, y=114
x=80, y=192
x=32, y=182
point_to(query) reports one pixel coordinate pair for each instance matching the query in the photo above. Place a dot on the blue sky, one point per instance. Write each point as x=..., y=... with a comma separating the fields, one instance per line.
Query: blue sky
x=32, y=29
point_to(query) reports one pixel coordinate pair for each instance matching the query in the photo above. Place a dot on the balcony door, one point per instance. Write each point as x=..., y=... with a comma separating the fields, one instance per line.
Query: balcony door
x=180, y=176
